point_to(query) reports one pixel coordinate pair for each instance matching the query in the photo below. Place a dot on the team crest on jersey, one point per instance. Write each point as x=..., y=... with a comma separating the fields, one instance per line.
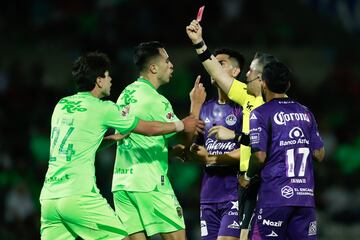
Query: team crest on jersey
x=231, y=120
x=170, y=115
x=179, y=212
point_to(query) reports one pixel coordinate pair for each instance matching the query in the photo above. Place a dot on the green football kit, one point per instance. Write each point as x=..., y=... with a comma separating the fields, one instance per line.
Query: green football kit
x=71, y=204
x=143, y=195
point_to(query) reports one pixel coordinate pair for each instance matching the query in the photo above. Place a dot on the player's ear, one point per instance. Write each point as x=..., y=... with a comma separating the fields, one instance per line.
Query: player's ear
x=153, y=68
x=264, y=84
x=235, y=72
x=98, y=82
x=288, y=86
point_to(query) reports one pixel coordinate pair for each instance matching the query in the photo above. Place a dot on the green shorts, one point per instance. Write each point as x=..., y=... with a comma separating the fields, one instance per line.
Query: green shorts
x=153, y=212
x=87, y=216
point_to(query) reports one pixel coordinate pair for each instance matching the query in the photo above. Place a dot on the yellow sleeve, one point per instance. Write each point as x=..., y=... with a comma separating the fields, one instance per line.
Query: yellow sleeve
x=238, y=93
x=258, y=101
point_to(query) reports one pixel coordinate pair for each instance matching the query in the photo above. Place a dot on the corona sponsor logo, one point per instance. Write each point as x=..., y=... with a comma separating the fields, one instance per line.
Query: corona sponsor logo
x=281, y=118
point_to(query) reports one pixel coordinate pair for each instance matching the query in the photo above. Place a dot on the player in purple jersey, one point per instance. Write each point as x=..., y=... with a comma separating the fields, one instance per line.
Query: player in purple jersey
x=219, y=188
x=284, y=140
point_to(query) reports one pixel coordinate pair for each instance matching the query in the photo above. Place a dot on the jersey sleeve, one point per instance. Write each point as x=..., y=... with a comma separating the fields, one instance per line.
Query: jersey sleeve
x=173, y=118
x=316, y=141
x=258, y=132
x=238, y=93
x=119, y=118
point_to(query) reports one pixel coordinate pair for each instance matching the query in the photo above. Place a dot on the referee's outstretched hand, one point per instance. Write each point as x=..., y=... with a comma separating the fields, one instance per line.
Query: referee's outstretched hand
x=194, y=31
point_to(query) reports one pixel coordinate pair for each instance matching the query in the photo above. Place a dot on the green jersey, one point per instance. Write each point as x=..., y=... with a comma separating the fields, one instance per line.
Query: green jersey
x=142, y=162
x=78, y=125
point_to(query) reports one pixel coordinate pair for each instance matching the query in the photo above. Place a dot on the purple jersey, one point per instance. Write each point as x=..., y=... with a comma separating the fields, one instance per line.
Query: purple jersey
x=219, y=183
x=287, y=132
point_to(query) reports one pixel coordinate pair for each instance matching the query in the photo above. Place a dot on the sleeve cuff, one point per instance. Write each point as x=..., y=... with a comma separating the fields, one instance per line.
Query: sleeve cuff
x=132, y=127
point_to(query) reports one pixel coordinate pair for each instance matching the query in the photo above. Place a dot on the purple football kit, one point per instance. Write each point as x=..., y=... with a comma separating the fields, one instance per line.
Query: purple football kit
x=219, y=188
x=287, y=132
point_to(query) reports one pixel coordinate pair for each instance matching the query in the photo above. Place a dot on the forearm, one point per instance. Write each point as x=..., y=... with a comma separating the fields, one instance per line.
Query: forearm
x=255, y=166
x=319, y=154
x=230, y=158
x=195, y=108
x=155, y=128
x=214, y=69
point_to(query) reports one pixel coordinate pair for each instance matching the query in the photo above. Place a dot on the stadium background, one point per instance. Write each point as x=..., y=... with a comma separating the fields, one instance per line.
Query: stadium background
x=39, y=40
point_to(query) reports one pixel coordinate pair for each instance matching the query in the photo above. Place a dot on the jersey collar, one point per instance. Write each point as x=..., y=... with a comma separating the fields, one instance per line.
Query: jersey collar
x=141, y=79
x=85, y=93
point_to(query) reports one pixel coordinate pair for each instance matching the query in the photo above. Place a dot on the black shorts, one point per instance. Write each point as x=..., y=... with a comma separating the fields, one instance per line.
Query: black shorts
x=247, y=202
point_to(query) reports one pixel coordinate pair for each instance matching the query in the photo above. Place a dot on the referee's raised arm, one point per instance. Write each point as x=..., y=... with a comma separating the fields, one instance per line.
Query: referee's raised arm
x=211, y=64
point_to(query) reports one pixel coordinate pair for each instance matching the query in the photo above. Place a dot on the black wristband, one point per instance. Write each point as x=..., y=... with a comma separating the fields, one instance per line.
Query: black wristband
x=236, y=138
x=199, y=45
x=205, y=55
x=245, y=139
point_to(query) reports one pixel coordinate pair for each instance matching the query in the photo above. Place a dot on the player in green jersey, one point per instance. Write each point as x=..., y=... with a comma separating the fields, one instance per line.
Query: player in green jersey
x=143, y=196
x=71, y=204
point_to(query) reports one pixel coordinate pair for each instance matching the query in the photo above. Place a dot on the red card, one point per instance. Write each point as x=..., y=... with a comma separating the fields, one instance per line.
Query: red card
x=200, y=13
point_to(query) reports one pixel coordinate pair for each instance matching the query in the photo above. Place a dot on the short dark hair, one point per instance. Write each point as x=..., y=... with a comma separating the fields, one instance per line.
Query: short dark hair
x=144, y=52
x=264, y=58
x=239, y=58
x=277, y=77
x=89, y=67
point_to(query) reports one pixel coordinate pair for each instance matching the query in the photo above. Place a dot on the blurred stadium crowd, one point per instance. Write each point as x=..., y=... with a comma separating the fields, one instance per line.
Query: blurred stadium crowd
x=40, y=39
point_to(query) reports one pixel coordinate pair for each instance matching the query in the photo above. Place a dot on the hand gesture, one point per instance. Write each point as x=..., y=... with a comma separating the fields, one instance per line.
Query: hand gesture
x=194, y=31
x=221, y=133
x=191, y=124
x=200, y=154
x=198, y=93
x=116, y=137
x=178, y=151
x=243, y=182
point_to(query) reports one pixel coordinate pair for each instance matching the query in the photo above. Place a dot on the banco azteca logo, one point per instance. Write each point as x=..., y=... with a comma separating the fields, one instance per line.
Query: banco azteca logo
x=296, y=132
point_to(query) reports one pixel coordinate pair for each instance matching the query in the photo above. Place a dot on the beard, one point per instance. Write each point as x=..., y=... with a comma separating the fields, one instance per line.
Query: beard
x=263, y=94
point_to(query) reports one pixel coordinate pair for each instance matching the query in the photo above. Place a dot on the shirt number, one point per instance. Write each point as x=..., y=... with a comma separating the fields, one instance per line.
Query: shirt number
x=290, y=161
x=67, y=150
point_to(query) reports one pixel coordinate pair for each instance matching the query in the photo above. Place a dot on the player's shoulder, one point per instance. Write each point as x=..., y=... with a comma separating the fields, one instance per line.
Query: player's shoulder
x=108, y=104
x=132, y=86
x=234, y=105
x=305, y=108
x=67, y=98
x=262, y=108
x=70, y=99
x=210, y=102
